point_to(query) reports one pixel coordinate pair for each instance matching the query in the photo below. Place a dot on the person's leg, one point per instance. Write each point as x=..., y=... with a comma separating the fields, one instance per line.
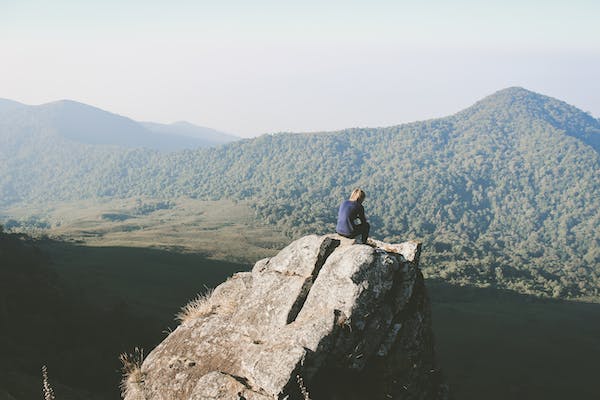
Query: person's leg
x=365, y=228
x=363, y=231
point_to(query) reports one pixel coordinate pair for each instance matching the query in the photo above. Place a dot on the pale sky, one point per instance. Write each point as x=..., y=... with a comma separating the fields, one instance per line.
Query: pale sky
x=252, y=67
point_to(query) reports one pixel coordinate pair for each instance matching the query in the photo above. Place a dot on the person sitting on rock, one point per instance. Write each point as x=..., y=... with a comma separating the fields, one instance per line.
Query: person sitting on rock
x=351, y=210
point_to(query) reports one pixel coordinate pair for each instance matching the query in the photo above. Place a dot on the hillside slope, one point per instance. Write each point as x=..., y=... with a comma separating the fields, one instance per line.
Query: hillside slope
x=504, y=193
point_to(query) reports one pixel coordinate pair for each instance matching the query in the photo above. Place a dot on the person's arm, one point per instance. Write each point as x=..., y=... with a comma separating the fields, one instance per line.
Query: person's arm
x=361, y=214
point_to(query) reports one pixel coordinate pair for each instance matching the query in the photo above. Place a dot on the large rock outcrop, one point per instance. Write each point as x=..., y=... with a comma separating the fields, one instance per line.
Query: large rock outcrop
x=325, y=318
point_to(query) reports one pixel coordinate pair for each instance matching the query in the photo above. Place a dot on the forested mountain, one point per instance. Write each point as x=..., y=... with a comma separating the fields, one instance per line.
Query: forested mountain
x=84, y=124
x=504, y=193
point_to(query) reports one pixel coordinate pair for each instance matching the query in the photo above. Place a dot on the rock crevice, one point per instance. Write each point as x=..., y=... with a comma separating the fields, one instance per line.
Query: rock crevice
x=327, y=247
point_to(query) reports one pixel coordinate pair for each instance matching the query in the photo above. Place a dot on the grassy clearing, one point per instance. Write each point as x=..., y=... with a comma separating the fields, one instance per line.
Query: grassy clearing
x=221, y=230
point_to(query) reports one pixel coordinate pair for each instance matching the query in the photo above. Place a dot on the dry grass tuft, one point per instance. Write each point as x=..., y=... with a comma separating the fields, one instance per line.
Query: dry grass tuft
x=48, y=391
x=198, y=307
x=133, y=378
x=226, y=307
x=303, y=390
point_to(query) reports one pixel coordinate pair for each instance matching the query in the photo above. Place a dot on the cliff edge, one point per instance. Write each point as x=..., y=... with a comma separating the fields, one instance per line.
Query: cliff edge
x=326, y=318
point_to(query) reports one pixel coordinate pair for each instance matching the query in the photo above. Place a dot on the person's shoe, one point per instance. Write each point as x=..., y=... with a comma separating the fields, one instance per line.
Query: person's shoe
x=371, y=243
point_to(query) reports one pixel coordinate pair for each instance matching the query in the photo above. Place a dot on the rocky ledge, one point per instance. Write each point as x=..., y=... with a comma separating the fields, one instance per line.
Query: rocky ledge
x=326, y=318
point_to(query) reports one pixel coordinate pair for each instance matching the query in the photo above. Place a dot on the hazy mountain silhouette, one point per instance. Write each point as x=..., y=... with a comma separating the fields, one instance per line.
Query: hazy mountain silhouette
x=8, y=105
x=208, y=136
x=82, y=123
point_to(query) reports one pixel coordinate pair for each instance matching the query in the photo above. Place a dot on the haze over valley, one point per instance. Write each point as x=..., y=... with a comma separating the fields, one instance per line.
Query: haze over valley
x=130, y=219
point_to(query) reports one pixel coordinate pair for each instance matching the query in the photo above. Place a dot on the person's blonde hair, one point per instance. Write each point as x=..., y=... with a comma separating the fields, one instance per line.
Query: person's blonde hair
x=357, y=195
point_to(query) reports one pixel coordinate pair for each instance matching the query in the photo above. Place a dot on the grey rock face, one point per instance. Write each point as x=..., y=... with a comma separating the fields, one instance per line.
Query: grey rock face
x=325, y=316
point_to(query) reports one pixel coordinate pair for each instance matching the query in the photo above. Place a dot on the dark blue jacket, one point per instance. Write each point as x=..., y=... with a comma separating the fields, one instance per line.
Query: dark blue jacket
x=347, y=215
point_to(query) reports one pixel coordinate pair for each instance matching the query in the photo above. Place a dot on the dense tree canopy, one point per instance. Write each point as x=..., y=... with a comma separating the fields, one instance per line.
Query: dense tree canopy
x=504, y=193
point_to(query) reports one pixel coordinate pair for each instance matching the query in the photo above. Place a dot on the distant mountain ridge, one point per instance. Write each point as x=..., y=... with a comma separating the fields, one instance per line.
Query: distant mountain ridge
x=505, y=192
x=82, y=123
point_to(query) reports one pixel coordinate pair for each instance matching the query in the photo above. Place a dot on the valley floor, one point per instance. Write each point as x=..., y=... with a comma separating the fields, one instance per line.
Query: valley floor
x=151, y=258
x=222, y=230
